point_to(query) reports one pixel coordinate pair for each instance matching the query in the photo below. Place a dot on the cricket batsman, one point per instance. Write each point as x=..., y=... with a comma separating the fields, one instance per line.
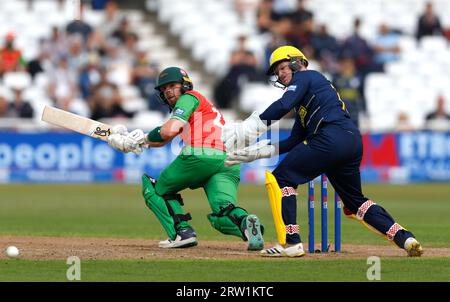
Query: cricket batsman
x=199, y=165
x=323, y=140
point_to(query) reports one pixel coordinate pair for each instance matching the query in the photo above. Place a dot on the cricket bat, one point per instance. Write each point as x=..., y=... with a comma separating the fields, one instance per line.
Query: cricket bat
x=76, y=123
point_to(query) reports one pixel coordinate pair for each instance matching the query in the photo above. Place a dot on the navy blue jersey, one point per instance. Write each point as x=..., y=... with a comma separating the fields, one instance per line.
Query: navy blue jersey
x=315, y=101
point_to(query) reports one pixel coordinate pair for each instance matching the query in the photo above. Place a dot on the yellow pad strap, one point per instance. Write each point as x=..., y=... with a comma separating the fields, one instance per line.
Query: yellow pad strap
x=274, y=192
x=370, y=228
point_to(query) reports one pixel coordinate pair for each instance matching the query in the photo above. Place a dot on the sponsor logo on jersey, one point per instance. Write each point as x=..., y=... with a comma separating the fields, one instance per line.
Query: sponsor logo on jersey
x=292, y=88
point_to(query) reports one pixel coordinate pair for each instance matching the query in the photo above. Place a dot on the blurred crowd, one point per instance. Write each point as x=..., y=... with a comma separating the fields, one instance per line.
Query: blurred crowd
x=80, y=63
x=346, y=61
x=85, y=68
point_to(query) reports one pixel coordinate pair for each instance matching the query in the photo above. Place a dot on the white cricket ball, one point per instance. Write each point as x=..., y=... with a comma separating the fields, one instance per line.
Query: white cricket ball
x=12, y=251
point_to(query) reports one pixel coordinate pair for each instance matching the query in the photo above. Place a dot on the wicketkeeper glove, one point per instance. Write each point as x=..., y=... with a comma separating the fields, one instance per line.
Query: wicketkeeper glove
x=261, y=149
x=239, y=135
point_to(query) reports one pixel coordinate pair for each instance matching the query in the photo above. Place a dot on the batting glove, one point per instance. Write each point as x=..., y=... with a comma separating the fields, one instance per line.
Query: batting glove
x=119, y=129
x=126, y=143
x=136, y=140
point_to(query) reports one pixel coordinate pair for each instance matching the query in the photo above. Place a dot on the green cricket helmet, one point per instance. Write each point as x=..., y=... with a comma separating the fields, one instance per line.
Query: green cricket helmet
x=173, y=75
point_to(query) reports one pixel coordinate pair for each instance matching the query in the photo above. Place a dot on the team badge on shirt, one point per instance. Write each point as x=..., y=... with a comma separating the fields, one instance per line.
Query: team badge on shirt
x=178, y=111
x=302, y=112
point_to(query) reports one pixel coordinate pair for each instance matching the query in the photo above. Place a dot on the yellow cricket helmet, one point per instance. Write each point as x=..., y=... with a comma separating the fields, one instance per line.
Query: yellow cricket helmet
x=285, y=53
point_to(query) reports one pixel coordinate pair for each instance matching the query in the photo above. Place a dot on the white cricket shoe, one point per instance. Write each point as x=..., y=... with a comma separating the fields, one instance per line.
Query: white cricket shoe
x=413, y=247
x=294, y=250
x=185, y=238
x=276, y=251
x=286, y=251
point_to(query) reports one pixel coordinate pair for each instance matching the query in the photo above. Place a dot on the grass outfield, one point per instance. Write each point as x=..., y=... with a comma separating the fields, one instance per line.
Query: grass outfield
x=293, y=270
x=118, y=211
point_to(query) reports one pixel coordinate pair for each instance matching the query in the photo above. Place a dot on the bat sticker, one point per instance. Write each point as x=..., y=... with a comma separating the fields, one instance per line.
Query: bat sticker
x=98, y=131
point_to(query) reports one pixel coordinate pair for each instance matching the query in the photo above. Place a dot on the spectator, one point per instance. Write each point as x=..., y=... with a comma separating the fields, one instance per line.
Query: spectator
x=356, y=46
x=403, y=123
x=10, y=57
x=326, y=49
x=245, y=10
x=386, y=46
x=77, y=56
x=99, y=4
x=301, y=35
x=120, y=56
x=349, y=85
x=274, y=42
x=119, y=63
x=41, y=63
x=79, y=26
x=89, y=75
x=131, y=43
x=57, y=44
x=270, y=21
x=239, y=54
x=121, y=32
x=439, y=119
x=144, y=75
x=4, y=105
x=105, y=100
x=301, y=14
x=19, y=107
x=112, y=19
x=35, y=66
x=63, y=84
x=243, y=68
x=96, y=43
x=284, y=7
x=428, y=23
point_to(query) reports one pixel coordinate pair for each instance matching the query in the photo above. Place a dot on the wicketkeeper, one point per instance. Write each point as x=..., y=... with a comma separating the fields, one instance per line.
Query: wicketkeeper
x=199, y=165
x=323, y=140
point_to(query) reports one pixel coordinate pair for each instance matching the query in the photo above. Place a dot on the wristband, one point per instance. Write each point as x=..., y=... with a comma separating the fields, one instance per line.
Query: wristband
x=155, y=136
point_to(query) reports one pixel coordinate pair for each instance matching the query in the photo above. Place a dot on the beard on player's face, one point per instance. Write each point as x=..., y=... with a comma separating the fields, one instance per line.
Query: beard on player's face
x=172, y=92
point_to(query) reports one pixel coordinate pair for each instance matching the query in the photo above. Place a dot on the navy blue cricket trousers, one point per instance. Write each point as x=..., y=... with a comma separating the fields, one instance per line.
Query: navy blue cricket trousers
x=335, y=150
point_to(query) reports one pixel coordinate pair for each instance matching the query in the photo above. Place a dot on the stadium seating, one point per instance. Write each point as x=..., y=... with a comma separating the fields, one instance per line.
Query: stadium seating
x=29, y=27
x=409, y=85
x=209, y=29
